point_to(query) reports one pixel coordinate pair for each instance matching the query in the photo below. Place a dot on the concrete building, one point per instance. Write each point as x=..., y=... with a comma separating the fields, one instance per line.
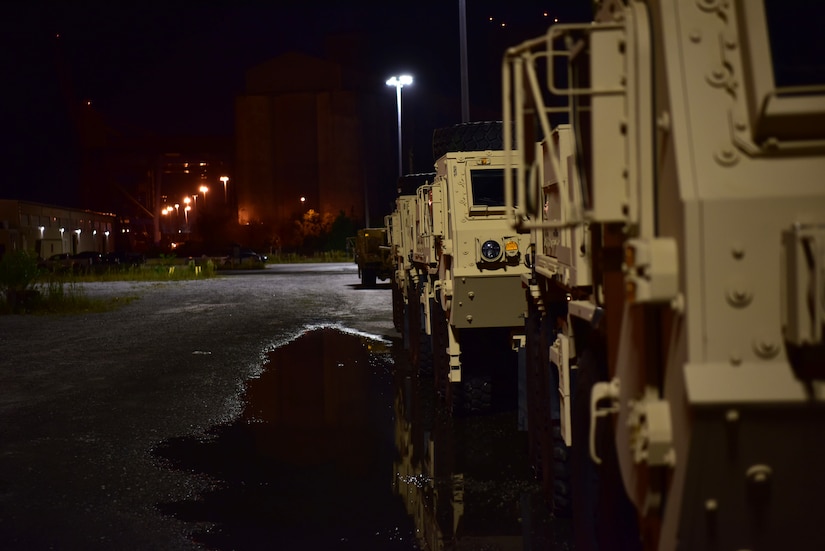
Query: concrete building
x=308, y=137
x=48, y=230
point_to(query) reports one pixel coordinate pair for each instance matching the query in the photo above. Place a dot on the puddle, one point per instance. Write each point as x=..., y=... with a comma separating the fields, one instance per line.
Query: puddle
x=340, y=446
x=308, y=464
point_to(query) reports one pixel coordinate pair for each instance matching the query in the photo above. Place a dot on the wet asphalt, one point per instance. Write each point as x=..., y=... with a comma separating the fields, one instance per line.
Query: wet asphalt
x=268, y=409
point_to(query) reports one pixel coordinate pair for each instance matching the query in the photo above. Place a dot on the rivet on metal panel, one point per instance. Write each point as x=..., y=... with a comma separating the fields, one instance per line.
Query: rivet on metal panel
x=726, y=156
x=708, y=5
x=735, y=357
x=732, y=415
x=765, y=348
x=471, y=295
x=469, y=318
x=738, y=296
x=738, y=251
x=717, y=76
x=695, y=36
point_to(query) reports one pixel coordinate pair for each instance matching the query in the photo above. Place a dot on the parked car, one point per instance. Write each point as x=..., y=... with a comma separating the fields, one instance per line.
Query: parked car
x=122, y=258
x=85, y=261
x=241, y=256
x=57, y=262
x=251, y=256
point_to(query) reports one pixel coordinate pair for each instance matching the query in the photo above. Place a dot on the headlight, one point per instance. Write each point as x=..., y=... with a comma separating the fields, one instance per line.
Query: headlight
x=490, y=250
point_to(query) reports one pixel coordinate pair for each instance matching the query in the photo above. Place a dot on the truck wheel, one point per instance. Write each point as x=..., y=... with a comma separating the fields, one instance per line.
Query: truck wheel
x=441, y=360
x=420, y=346
x=397, y=307
x=368, y=277
x=548, y=452
x=472, y=396
x=468, y=136
x=603, y=516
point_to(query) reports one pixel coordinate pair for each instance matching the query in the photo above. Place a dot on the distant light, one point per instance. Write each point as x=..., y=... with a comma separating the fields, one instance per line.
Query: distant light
x=546, y=14
x=88, y=103
x=491, y=19
x=106, y=233
x=504, y=24
x=62, y=230
x=400, y=81
x=555, y=20
x=94, y=232
x=77, y=231
x=303, y=199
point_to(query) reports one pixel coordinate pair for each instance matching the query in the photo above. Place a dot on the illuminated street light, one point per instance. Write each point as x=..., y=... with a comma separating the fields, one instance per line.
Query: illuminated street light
x=204, y=190
x=399, y=82
x=224, y=179
x=186, y=210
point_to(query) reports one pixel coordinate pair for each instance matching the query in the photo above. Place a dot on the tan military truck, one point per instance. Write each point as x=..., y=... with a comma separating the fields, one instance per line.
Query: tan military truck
x=469, y=262
x=675, y=301
x=373, y=256
x=406, y=283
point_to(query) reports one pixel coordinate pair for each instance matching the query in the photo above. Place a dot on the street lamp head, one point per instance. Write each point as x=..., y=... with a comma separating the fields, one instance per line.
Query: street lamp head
x=203, y=189
x=400, y=81
x=224, y=179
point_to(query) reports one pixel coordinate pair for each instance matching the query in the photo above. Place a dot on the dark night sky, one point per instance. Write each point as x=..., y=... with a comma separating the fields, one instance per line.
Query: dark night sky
x=174, y=68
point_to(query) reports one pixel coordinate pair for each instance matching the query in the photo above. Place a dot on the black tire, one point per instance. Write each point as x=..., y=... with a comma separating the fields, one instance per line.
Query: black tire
x=368, y=277
x=603, y=516
x=548, y=452
x=472, y=396
x=441, y=359
x=469, y=136
x=419, y=343
x=398, y=307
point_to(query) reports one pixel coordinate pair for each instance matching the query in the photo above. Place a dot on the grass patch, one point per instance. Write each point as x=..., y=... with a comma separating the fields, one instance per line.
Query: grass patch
x=326, y=256
x=163, y=270
x=56, y=296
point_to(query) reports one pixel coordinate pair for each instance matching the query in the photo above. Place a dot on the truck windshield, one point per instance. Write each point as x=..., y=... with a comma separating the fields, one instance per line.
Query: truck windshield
x=797, y=48
x=487, y=187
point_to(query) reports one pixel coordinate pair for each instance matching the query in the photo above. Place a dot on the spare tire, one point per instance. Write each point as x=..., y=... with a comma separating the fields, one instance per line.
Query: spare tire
x=468, y=136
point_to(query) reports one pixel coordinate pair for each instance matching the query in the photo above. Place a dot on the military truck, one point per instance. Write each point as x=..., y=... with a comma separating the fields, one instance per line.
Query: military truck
x=675, y=298
x=466, y=267
x=405, y=282
x=373, y=256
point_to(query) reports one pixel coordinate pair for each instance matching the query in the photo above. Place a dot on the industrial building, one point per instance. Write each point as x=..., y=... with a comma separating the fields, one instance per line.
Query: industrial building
x=48, y=230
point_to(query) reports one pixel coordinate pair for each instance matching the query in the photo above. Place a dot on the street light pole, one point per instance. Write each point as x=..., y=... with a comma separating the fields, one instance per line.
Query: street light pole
x=399, y=83
x=224, y=179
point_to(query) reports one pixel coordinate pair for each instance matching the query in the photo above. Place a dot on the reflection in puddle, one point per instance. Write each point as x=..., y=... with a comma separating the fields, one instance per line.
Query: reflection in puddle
x=464, y=480
x=339, y=446
x=308, y=463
